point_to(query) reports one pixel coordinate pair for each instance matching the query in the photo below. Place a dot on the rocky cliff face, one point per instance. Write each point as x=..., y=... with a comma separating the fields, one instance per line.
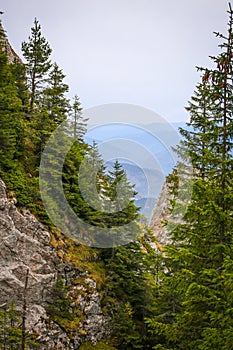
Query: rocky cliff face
x=25, y=246
x=166, y=216
x=160, y=214
x=11, y=54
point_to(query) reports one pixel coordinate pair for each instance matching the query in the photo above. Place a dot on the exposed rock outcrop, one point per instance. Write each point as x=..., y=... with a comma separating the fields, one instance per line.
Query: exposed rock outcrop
x=160, y=214
x=11, y=54
x=25, y=249
x=25, y=246
x=173, y=202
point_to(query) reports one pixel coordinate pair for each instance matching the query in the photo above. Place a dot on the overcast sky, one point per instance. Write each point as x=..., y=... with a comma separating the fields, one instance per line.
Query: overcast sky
x=142, y=52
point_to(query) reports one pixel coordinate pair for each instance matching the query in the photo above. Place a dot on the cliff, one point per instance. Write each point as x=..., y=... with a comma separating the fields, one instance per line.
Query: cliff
x=40, y=273
x=11, y=54
x=67, y=295
x=25, y=246
x=172, y=203
x=160, y=215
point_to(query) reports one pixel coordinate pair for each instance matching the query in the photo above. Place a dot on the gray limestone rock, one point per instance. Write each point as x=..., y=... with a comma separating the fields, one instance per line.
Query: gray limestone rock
x=25, y=246
x=161, y=213
x=11, y=54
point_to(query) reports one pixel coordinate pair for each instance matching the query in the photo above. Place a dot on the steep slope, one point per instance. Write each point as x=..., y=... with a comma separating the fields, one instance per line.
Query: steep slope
x=161, y=214
x=25, y=246
x=67, y=295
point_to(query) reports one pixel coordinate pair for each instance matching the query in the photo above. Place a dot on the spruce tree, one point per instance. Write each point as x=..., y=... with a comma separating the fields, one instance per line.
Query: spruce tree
x=130, y=290
x=10, y=332
x=37, y=53
x=19, y=72
x=98, y=163
x=78, y=122
x=53, y=97
x=121, y=194
x=93, y=179
x=10, y=115
x=194, y=305
x=53, y=108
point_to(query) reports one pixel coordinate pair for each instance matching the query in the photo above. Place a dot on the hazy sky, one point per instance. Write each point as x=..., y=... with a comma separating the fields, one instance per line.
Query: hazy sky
x=141, y=52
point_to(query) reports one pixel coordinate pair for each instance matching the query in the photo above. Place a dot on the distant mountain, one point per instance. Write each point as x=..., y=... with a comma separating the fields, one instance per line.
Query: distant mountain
x=145, y=152
x=148, y=184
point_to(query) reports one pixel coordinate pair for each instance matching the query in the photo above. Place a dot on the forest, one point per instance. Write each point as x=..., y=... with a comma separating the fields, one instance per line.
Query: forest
x=179, y=296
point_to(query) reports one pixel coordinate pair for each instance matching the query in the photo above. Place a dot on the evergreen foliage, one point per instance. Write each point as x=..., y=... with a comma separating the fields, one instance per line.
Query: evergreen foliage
x=78, y=123
x=33, y=104
x=19, y=73
x=10, y=109
x=37, y=53
x=53, y=108
x=180, y=298
x=194, y=305
x=59, y=310
x=11, y=330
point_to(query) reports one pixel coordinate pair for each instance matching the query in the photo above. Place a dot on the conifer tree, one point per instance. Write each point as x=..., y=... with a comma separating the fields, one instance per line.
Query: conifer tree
x=19, y=72
x=37, y=53
x=54, y=100
x=122, y=195
x=77, y=121
x=130, y=286
x=93, y=179
x=193, y=307
x=54, y=108
x=10, y=332
x=10, y=115
x=98, y=164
